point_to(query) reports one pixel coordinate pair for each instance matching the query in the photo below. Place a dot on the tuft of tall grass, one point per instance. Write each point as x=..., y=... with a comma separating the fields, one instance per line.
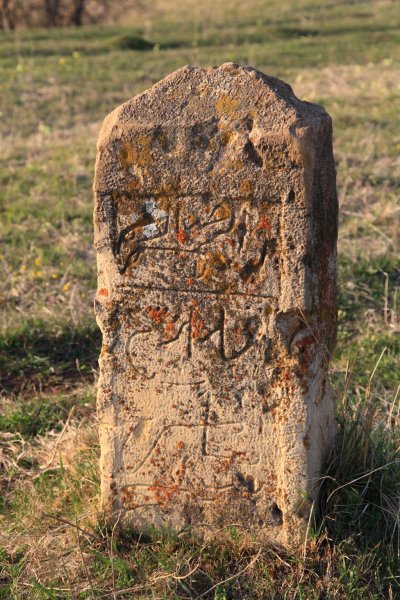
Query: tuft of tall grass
x=359, y=497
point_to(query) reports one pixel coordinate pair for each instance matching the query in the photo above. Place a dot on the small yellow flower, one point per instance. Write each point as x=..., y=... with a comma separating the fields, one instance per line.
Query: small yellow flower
x=38, y=261
x=39, y=274
x=54, y=276
x=61, y=60
x=66, y=286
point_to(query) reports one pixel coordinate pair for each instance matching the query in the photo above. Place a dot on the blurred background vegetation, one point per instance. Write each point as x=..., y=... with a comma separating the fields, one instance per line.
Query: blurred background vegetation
x=61, y=73
x=58, y=13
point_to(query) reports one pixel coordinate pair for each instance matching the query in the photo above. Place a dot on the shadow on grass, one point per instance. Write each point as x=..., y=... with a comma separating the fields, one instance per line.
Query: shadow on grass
x=29, y=418
x=40, y=354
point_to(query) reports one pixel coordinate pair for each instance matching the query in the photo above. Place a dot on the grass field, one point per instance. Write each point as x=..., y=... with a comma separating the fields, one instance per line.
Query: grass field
x=57, y=86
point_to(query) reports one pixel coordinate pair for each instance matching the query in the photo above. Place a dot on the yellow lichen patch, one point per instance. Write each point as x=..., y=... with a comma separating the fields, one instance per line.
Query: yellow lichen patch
x=226, y=136
x=137, y=153
x=164, y=203
x=213, y=145
x=238, y=164
x=223, y=211
x=132, y=185
x=246, y=187
x=227, y=106
x=210, y=264
x=124, y=204
x=169, y=188
x=253, y=113
x=191, y=218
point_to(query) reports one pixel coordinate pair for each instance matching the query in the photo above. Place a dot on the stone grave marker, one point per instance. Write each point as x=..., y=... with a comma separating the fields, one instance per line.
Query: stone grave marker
x=215, y=230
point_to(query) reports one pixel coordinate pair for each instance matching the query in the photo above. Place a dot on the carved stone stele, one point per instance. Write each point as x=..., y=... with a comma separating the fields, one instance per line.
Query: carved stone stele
x=215, y=230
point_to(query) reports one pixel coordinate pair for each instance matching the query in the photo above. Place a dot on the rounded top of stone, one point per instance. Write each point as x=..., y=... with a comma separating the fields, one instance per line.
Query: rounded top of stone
x=200, y=125
x=229, y=92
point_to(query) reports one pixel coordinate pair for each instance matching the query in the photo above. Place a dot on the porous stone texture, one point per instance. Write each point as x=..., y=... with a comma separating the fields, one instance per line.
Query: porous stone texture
x=215, y=230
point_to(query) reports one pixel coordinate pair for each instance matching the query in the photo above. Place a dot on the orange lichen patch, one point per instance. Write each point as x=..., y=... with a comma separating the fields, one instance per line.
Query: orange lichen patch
x=169, y=329
x=237, y=331
x=128, y=497
x=157, y=314
x=103, y=292
x=182, y=236
x=227, y=106
x=228, y=241
x=246, y=187
x=162, y=493
x=263, y=223
x=180, y=444
x=190, y=281
x=225, y=464
x=198, y=328
x=235, y=454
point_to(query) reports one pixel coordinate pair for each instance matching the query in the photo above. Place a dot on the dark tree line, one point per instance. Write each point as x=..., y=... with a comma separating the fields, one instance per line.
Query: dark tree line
x=58, y=13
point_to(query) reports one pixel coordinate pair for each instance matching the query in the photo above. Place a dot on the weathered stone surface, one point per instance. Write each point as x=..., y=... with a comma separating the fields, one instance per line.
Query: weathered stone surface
x=216, y=225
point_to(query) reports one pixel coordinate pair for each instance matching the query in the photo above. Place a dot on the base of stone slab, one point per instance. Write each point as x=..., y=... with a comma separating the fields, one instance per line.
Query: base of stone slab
x=270, y=526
